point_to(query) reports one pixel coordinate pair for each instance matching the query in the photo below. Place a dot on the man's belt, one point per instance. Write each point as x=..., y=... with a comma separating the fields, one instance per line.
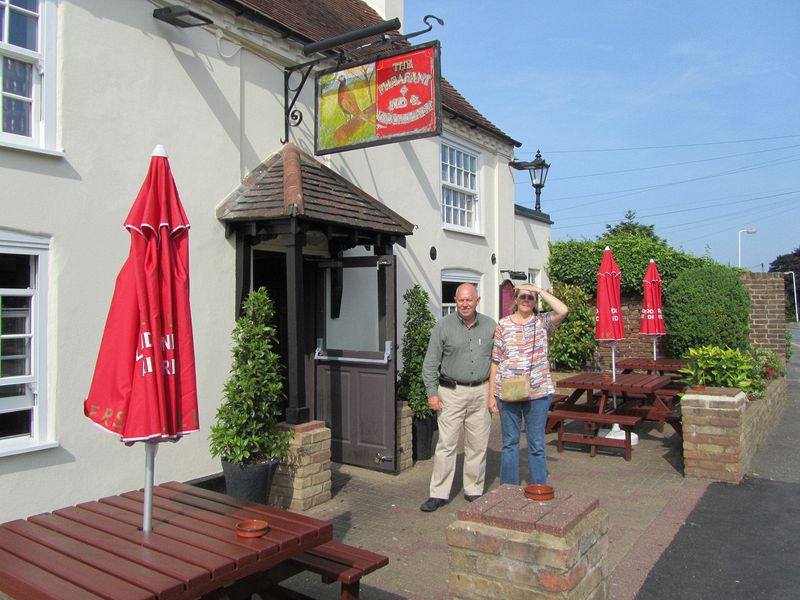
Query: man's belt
x=451, y=383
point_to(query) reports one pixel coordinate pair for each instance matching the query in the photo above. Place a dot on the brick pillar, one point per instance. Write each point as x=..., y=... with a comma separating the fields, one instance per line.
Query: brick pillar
x=506, y=546
x=405, y=459
x=767, y=311
x=303, y=479
x=712, y=434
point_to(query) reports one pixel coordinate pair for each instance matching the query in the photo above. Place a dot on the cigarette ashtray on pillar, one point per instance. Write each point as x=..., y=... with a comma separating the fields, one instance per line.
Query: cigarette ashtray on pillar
x=539, y=492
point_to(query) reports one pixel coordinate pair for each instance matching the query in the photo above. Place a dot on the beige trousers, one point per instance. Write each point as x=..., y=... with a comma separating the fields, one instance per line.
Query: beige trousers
x=464, y=407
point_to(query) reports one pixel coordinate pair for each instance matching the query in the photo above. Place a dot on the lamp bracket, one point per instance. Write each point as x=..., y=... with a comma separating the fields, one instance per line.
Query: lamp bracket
x=293, y=117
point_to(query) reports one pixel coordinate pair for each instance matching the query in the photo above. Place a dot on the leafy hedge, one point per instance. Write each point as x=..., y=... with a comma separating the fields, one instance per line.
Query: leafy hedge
x=416, y=333
x=572, y=345
x=576, y=262
x=707, y=306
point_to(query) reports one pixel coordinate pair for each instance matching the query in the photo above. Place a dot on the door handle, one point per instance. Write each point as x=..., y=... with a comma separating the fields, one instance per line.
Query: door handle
x=381, y=458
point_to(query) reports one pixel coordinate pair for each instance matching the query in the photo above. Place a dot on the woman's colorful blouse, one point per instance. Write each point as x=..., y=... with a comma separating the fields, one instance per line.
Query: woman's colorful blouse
x=512, y=353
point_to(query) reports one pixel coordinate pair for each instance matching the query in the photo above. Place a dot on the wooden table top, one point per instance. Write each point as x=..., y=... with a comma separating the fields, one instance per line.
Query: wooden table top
x=98, y=550
x=652, y=364
x=631, y=383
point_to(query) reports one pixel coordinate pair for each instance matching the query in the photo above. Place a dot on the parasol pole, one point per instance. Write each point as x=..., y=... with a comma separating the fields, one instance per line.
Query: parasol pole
x=614, y=369
x=654, y=348
x=150, y=449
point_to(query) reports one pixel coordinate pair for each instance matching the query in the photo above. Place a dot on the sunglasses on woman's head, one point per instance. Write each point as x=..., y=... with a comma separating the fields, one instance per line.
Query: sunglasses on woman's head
x=526, y=297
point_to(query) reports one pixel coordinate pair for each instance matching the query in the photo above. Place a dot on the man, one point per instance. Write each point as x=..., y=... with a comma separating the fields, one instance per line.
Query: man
x=456, y=374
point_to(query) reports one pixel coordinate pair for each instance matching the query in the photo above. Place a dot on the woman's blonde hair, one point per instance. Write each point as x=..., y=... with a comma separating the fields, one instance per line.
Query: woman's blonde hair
x=528, y=288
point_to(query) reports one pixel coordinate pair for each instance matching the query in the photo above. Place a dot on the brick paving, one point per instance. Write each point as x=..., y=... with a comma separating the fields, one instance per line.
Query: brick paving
x=647, y=500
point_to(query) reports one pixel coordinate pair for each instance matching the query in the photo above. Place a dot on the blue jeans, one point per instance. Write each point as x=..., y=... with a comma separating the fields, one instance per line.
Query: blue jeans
x=535, y=414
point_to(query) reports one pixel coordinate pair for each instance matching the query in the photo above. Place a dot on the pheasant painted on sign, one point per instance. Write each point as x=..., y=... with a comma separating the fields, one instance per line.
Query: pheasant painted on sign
x=347, y=101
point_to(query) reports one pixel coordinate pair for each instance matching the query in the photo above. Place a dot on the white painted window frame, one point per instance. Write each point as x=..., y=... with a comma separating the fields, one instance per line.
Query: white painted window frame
x=38, y=248
x=471, y=193
x=44, y=127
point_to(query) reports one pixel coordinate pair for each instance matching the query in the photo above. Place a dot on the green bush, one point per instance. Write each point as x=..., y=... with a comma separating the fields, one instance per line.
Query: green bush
x=246, y=426
x=576, y=262
x=749, y=370
x=416, y=333
x=572, y=345
x=707, y=306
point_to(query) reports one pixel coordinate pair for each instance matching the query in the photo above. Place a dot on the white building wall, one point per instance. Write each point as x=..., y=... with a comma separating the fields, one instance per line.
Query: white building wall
x=126, y=83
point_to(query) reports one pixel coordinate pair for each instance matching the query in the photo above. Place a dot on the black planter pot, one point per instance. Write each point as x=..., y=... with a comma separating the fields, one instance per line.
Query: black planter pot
x=249, y=482
x=422, y=437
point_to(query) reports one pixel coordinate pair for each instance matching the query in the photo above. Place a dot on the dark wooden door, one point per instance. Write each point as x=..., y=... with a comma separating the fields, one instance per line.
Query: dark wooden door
x=354, y=359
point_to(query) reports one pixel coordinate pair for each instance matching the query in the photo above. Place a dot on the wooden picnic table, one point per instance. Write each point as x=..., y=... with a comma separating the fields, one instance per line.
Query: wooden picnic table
x=98, y=550
x=625, y=400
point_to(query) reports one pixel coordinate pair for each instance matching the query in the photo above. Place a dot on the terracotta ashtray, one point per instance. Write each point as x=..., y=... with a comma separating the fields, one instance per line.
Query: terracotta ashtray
x=539, y=492
x=251, y=528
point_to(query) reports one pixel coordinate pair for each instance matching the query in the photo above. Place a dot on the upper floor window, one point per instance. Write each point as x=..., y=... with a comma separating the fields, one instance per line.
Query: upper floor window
x=23, y=301
x=459, y=189
x=27, y=81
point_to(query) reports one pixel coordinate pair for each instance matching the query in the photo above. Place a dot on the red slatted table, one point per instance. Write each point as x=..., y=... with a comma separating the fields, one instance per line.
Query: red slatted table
x=97, y=549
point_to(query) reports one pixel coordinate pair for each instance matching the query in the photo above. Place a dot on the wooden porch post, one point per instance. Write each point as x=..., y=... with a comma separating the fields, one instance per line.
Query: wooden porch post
x=297, y=411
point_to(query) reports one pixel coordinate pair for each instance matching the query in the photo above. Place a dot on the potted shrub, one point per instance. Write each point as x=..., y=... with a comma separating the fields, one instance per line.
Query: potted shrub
x=245, y=434
x=416, y=333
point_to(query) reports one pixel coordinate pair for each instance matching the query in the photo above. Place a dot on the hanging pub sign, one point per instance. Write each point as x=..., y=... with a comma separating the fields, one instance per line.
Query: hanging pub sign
x=390, y=99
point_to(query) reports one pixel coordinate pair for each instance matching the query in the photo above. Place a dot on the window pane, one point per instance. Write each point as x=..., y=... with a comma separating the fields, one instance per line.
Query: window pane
x=17, y=77
x=15, y=357
x=11, y=391
x=15, y=271
x=22, y=30
x=31, y=5
x=17, y=117
x=444, y=153
x=459, y=156
x=15, y=423
x=2, y=24
x=15, y=315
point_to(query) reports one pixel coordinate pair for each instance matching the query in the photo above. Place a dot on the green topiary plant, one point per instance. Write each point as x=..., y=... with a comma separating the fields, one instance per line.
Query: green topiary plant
x=246, y=428
x=572, y=345
x=706, y=306
x=416, y=333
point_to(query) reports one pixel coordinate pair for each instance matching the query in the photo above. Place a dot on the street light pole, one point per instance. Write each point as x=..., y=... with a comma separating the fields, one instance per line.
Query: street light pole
x=794, y=290
x=749, y=231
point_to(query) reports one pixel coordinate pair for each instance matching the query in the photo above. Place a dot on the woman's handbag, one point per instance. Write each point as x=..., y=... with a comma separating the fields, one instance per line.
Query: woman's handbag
x=517, y=388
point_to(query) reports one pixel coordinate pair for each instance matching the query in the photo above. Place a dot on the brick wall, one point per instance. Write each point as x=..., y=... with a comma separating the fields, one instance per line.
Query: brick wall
x=722, y=429
x=635, y=344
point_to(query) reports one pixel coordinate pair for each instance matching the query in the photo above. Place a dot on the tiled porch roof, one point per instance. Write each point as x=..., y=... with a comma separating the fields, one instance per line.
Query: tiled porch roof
x=293, y=183
x=314, y=20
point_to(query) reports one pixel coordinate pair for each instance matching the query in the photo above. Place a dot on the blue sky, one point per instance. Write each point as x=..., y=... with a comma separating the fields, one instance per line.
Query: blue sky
x=686, y=112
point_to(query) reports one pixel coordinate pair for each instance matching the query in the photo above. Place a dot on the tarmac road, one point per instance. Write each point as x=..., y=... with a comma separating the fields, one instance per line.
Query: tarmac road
x=741, y=541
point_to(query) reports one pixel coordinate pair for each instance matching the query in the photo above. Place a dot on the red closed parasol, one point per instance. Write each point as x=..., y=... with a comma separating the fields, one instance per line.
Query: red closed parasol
x=144, y=386
x=652, y=319
x=608, y=316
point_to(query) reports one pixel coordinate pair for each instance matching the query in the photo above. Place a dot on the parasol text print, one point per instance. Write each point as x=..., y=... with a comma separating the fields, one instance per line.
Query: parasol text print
x=109, y=419
x=144, y=354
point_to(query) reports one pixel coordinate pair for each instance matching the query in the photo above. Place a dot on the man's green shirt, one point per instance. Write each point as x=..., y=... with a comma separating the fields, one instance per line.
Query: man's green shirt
x=457, y=351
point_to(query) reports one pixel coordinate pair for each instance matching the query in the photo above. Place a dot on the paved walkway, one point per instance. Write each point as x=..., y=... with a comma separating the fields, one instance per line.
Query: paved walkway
x=648, y=501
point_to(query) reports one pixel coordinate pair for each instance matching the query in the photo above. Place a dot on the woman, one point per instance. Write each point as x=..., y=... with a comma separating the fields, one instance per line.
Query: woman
x=520, y=348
